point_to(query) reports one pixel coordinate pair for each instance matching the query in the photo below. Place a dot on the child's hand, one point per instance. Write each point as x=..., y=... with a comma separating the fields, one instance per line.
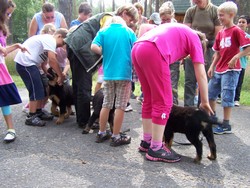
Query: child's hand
x=23, y=49
x=210, y=72
x=232, y=62
x=3, y=51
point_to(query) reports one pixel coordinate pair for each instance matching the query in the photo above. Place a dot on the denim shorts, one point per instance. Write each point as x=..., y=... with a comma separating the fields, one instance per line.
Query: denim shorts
x=224, y=84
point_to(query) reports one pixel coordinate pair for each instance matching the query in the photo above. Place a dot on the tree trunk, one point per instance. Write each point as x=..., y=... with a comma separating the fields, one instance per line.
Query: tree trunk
x=113, y=5
x=145, y=7
x=157, y=6
x=66, y=8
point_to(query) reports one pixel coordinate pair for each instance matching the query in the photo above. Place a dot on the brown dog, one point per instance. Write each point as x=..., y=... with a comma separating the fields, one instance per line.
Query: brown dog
x=191, y=121
x=61, y=96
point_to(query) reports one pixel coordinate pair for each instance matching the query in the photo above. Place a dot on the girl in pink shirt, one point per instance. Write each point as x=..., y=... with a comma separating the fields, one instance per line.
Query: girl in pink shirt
x=152, y=54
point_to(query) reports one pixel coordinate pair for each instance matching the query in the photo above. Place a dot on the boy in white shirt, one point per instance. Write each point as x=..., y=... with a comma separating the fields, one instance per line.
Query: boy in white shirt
x=41, y=48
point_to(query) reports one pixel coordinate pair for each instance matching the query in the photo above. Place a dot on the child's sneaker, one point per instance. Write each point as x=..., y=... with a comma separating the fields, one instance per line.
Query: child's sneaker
x=163, y=154
x=124, y=139
x=10, y=136
x=34, y=121
x=236, y=103
x=102, y=137
x=128, y=108
x=144, y=146
x=224, y=129
x=44, y=115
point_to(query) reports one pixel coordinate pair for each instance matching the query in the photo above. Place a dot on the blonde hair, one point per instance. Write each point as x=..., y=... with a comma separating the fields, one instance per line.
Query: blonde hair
x=48, y=28
x=62, y=31
x=228, y=7
x=118, y=19
x=131, y=11
x=167, y=8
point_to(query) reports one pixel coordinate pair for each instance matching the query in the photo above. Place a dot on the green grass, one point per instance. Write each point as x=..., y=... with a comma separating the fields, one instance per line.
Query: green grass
x=245, y=97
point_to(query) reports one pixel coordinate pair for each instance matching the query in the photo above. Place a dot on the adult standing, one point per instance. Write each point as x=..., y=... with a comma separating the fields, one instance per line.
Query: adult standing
x=83, y=61
x=202, y=17
x=47, y=15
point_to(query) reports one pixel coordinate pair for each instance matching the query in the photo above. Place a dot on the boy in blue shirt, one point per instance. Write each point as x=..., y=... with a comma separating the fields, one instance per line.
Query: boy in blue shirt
x=115, y=43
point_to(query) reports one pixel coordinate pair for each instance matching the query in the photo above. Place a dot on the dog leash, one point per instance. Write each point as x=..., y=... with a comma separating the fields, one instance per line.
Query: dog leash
x=188, y=143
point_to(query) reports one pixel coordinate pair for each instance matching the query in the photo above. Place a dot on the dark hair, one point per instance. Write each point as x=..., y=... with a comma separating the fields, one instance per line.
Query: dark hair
x=245, y=17
x=48, y=7
x=3, y=8
x=85, y=8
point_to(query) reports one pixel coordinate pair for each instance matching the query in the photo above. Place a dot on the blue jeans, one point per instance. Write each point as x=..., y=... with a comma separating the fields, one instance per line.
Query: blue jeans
x=224, y=84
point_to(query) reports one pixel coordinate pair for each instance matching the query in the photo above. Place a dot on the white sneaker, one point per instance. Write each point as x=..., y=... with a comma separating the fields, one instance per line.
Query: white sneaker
x=25, y=110
x=10, y=136
x=236, y=103
x=128, y=108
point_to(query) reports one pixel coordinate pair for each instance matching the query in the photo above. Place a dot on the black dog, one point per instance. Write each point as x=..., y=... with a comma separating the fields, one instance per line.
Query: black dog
x=61, y=96
x=191, y=121
x=97, y=106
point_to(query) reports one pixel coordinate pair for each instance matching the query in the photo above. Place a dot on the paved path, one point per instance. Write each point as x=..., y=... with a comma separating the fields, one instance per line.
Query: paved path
x=60, y=156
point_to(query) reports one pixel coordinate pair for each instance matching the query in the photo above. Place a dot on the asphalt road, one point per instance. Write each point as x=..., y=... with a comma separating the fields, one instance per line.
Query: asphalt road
x=60, y=156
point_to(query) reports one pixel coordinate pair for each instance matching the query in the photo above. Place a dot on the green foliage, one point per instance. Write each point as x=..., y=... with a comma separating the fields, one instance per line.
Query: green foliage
x=21, y=17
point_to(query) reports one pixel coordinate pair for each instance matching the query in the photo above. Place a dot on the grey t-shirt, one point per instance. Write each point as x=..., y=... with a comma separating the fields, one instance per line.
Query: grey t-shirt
x=203, y=20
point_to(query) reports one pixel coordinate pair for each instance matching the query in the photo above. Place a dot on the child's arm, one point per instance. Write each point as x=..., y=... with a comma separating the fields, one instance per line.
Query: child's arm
x=97, y=49
x=66, y=68
x=216, y=58
x=200, y=74
x=14, y=47
x=233, y=61
x=55, y=66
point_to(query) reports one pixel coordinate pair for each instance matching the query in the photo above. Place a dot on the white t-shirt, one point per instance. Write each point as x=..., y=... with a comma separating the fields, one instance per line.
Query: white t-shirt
x=38, y=46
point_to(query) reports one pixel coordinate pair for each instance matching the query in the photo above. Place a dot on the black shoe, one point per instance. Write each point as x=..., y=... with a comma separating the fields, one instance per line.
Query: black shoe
x=144, y=146
x=45, y=116
x=34, y=121
x=124, y=139
x=163, y=154
x=102, y=137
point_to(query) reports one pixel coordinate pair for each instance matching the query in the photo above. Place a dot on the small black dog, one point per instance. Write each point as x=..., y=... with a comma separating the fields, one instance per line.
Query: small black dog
x=97, y=106
x=191, y=121
x=61, y=96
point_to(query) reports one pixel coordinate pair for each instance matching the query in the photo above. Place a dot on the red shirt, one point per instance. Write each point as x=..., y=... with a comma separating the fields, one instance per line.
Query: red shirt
x=228, y=42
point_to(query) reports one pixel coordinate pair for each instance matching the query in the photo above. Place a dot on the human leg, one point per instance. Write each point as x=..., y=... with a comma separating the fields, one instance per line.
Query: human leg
x=238, y=88
x=82, y=84
x=156, y=86
x=122, y=94
x=175, y=75
x=11, y=133
x=190, y=83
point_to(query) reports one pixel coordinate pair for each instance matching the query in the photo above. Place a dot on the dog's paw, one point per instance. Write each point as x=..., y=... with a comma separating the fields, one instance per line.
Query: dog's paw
x=60, y=120
x=197, y=160
x=66, y=116
x=211, y=156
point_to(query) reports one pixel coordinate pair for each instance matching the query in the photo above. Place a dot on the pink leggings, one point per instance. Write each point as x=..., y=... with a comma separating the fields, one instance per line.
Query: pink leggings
x=154, y=75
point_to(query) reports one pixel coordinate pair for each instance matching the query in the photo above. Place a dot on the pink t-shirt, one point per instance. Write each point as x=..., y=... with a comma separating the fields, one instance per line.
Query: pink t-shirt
x=175, y=41
x=61, y=56
x=228, y=42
